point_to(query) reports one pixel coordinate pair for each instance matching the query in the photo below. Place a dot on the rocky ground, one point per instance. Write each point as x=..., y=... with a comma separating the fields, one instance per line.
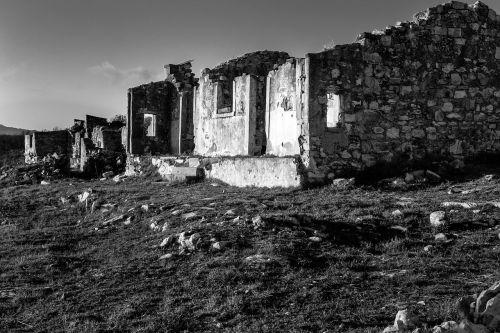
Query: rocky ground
x=142, y=255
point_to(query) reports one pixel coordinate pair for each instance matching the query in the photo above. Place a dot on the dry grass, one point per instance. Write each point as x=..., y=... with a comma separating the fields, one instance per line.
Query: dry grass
x=60, y=274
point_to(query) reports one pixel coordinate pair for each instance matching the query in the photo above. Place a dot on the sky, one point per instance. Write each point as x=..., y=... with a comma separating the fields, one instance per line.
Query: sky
x=62, y=59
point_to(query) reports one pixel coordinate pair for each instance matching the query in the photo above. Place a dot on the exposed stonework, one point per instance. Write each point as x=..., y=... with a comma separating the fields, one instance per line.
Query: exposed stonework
x=92, y=145
x=229, y=115
x=417, y=92
x=95, y=138
x=160, y=114
x=236, y=171
x=422, y=89
x=40, y=144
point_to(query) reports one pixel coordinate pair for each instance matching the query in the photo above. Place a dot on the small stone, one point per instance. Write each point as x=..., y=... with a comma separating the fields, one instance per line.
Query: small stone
x=145, y=208
x=428, y=248
x=108, y=174
x=166, y=256
x=392, y=133
x=176, y=212
x=405, y=320
x=343, y=182
x=44, y=182
x=258, y=222
x=188, y=216
x=437, y=218
x=167, y=241
x=440, y=237
x=315, y=239
x=84, y=196
x=218, y=245
x=230, y=212
x=397, y=213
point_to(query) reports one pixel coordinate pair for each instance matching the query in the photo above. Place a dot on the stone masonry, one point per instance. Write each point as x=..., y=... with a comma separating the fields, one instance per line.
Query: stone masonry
x=417, y=92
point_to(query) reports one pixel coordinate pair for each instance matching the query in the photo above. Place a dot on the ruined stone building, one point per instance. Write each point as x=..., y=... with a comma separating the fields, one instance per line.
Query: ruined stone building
x=418, y=91
x=37, y=145
x=84, y=139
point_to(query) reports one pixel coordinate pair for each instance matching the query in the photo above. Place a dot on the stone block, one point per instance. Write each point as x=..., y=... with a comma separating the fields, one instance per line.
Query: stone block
x=393, y=133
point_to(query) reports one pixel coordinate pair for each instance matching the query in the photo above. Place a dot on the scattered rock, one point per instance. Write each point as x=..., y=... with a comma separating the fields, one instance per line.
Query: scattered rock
x=84, y=196
x=428, y=248
x=168, y=241
x=44, y=182
x=230, y=212
x=438, y=218
x=128, y=220
x=188, y=216
x=481, y=315
x=259, y=259
x=343, y=182
x=219, y=245
x=145, y=208
x=108, y=174
x=315, y=239
x=397, y=213
x=187, y=241
x=258, y=222
x=166, y=256
x=441, y=238
x=119, y=178
x=154, y=226
x=113, y=220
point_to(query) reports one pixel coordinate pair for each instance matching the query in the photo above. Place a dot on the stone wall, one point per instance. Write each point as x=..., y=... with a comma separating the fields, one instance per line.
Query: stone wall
x=107, y=139
x=171, y=103
x=231, y=133
x=235, y=171
x=40, y=144
x=419, y=90
x=91, y=122
x=283, y=109
x=230, y=105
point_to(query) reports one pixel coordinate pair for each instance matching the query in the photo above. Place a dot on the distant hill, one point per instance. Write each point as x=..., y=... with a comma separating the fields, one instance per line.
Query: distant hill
x=4, y=130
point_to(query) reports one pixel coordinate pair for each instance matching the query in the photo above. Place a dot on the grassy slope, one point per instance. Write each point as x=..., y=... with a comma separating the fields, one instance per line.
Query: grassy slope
x=59, y=274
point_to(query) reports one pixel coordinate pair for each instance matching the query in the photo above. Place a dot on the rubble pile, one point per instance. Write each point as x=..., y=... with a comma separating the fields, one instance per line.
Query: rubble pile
x=48, y=168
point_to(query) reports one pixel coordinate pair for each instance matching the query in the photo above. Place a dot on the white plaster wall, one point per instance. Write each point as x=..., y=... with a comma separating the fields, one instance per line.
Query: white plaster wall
x=255, y=171
x=224, y=135
x=281, y=114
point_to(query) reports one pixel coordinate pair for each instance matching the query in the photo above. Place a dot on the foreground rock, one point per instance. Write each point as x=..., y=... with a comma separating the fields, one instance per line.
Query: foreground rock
x=478, y=315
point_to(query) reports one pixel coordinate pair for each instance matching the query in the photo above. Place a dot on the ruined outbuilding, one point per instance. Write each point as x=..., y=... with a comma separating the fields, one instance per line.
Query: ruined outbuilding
x=93, y=143
x=416, y=92
x=160, y=114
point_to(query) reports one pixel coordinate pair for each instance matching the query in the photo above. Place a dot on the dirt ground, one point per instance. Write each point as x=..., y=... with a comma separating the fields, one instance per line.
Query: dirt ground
x=261, y=260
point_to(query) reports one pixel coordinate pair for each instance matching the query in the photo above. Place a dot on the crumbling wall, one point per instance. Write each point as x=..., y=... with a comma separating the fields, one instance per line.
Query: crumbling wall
x=40, y=144
x=284, y=109
x=107, y=139
x=222, y=124
x=170, y=102
x=230, y=133
x=91, y=122
x=416, y=91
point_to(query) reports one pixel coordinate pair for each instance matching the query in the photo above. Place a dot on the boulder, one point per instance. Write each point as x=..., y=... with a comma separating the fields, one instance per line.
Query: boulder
x=438, y=218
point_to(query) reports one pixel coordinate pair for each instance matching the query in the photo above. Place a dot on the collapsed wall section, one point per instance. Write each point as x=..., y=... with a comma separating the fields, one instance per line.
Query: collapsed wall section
x=420, y=90
x=40, y=144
